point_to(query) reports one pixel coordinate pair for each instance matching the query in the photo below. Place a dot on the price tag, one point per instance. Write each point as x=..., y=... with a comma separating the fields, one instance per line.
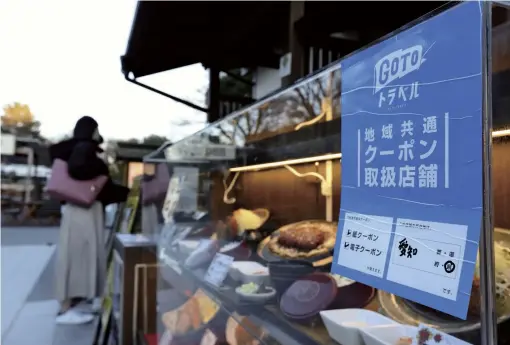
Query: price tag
x=209, y=338
x=218, y=270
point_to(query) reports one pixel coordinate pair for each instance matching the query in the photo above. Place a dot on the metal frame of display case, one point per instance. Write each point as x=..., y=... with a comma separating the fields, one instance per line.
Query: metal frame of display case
x=320, y=142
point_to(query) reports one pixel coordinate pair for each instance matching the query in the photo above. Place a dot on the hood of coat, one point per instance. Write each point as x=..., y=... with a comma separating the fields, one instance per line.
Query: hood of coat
x=86, y=128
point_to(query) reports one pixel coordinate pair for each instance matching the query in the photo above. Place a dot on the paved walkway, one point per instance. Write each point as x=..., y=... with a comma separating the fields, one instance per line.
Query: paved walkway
x=28, y=304
x=21, y=268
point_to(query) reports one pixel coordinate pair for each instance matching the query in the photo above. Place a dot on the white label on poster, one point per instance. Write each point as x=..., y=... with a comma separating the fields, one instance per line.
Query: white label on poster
x=218, y=270
x=428, y=256
x=365, y=242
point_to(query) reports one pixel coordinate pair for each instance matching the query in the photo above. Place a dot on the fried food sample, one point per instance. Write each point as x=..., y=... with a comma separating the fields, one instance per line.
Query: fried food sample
x=474, y=300
x=303, y=238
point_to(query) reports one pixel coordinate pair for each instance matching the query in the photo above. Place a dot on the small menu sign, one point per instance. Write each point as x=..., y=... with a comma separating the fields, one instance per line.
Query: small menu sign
x=209, y=338
x=218, y=270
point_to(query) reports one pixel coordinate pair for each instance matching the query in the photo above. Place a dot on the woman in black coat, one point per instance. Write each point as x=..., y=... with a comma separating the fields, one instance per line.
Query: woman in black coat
x=81, y=260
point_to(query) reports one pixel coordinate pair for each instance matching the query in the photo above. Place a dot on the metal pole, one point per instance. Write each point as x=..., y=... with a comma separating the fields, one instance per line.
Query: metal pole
x=487, y=272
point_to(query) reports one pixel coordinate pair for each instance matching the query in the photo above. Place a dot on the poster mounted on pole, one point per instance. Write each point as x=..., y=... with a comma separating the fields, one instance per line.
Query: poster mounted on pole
x=411, y=205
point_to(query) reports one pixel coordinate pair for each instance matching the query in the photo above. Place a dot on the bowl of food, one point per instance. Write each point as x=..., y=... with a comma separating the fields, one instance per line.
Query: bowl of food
x=311, y=240
x=241, y=330
x=188, y=322
x=249, y=272
x=249, y=219
x=256, y=293
x=240, y=221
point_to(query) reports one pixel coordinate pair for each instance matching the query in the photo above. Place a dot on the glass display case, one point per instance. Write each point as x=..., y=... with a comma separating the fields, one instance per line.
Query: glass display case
x=250, y=216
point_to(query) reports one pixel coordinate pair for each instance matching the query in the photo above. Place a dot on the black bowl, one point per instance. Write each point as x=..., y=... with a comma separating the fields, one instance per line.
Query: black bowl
x=290, y=268
x=284, y=273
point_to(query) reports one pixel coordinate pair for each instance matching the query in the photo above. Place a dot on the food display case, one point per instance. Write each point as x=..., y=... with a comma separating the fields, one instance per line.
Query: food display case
x=248, y=216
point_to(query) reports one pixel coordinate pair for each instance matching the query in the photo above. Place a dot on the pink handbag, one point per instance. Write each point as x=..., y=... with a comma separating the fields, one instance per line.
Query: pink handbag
x=62, y=187
x=155, y=190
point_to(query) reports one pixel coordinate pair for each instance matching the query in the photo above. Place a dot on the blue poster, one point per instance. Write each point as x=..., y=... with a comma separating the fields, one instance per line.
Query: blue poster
x=411, y=202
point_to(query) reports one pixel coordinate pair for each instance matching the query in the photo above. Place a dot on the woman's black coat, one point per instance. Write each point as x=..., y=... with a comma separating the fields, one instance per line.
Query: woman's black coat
x=84, y=164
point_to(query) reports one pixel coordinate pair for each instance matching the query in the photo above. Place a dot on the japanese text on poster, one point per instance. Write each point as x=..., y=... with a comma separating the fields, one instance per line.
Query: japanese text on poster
x=411, y=161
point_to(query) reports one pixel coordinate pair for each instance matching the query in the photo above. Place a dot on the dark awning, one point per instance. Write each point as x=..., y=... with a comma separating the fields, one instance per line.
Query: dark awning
x=172, y=34
x=130, y=152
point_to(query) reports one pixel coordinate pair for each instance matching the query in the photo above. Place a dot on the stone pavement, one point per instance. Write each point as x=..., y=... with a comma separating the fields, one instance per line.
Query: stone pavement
x=28, y=304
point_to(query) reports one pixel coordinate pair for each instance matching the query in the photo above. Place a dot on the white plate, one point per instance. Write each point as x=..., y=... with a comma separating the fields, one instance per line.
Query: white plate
x=390, y=334
x=230, y=246
x=343, y=325
x=188, y=246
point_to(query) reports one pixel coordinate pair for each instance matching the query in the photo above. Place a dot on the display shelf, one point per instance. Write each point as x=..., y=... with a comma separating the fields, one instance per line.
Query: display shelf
x=283, y=155
x=135, y=305
x=265, y=315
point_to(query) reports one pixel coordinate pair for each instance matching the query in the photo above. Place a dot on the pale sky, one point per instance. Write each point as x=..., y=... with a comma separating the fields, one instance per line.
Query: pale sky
x=62, y=58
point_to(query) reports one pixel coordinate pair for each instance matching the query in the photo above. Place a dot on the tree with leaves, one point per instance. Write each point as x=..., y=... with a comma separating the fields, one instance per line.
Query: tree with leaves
x=155, y=140
x=152, y=139
x=281, y=114
x=18, y=119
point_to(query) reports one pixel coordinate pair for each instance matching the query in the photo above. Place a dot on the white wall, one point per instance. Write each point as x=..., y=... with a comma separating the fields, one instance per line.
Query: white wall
x=266, y=81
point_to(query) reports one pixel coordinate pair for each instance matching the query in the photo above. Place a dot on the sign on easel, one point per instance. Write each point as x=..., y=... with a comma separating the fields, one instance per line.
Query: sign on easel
x=8, y=146
x=412, y=161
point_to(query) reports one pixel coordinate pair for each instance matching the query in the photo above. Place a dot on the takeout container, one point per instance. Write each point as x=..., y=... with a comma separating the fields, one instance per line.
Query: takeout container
x=344, y=325
x=232, y=334
x=249, y=272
